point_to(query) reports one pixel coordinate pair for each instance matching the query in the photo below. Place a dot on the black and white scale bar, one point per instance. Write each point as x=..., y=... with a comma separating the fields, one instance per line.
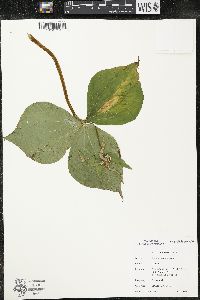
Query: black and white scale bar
x=100, y=7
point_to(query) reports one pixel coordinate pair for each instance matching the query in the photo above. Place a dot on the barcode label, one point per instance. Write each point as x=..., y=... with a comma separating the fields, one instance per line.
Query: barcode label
x=51, y=26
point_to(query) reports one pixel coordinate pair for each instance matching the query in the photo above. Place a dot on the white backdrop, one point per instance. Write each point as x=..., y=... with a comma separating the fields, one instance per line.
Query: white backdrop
x=81, y=240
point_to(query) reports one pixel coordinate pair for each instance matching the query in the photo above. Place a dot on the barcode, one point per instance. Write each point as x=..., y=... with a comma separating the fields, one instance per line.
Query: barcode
x=51, y=26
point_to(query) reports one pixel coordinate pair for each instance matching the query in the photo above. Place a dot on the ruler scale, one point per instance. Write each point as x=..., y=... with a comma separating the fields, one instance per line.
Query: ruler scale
x=112, y=7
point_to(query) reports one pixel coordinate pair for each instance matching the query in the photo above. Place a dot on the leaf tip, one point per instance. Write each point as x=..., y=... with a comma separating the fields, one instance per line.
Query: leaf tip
x=125, y=165
x=6, y=138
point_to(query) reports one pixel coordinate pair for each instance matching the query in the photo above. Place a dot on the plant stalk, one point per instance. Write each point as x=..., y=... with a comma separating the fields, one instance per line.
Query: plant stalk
x=34, y=40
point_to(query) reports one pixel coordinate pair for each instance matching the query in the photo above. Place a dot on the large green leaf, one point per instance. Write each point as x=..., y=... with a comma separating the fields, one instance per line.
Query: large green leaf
x=44, y=132
x=114, y=96
x=94, y=159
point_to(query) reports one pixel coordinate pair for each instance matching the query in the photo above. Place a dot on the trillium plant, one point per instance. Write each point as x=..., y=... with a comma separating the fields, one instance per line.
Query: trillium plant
x=45, y=131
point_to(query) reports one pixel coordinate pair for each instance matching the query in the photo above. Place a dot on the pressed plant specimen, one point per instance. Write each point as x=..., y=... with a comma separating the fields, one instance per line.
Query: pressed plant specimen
x=45, y=131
